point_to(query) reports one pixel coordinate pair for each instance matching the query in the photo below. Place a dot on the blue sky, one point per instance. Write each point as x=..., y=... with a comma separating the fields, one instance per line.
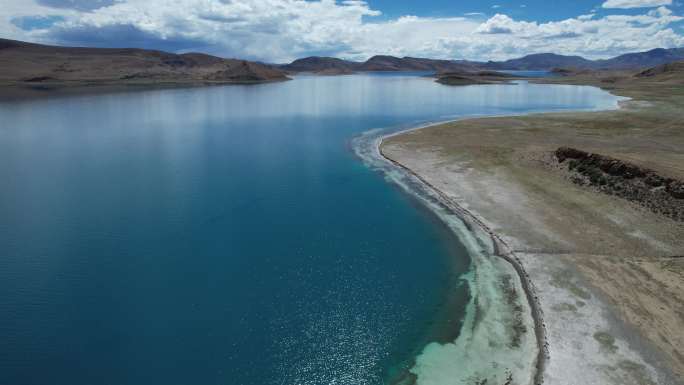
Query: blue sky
x=528, y=10
x=282, y=30
x=532, y=10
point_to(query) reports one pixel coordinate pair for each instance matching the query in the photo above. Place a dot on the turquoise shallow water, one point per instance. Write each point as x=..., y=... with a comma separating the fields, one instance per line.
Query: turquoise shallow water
x=228, y=235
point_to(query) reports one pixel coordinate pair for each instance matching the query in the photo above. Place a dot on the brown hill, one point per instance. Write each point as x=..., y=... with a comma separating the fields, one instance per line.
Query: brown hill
x=383, y=63
x=25, y=64
x=671, y=73
x=391, y=63
x=318, y=64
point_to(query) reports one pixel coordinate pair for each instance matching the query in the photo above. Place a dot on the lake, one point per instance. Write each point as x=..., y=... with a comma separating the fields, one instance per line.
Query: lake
x=229, y=235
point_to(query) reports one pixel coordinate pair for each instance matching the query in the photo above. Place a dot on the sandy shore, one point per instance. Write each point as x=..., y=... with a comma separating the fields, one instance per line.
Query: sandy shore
x=602, y=271
x=499, y=248
x=497, y=340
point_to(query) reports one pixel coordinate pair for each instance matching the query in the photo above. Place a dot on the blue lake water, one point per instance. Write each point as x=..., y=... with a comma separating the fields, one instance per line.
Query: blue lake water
x=228, y=235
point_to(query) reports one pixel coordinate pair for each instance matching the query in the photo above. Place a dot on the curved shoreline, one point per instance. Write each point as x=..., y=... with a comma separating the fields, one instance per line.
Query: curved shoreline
x=501, y=249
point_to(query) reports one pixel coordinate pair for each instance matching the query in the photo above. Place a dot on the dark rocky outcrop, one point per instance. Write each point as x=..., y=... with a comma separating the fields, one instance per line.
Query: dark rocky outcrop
x=676, y=190
x=662, y=69
x=624, y=179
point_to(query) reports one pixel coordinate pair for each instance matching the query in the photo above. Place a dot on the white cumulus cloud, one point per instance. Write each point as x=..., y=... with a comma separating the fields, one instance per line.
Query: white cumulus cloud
x=626, y=4
x=282, y=30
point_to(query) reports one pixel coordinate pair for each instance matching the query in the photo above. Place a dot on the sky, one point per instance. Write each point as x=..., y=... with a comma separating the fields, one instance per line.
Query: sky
x=279, y=31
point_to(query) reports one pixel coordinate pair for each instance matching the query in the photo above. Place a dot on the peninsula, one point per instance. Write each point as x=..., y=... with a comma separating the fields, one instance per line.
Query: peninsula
x=592, y=206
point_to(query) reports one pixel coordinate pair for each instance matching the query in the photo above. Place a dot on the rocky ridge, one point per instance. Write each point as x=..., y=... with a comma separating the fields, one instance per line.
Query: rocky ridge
x=613, y=176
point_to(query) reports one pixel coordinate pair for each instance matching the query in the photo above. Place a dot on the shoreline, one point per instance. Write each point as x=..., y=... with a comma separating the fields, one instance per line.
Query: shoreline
x=635, y=348
x=22, y=92
x=501, y=250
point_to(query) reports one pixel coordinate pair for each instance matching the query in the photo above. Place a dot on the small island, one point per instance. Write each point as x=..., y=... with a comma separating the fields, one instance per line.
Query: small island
x=464, y=78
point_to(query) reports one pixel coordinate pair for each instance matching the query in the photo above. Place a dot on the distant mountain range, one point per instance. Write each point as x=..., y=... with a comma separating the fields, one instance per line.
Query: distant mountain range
x=652, y=58
x=42, y=65
x=544, y=61
x=318, y=64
